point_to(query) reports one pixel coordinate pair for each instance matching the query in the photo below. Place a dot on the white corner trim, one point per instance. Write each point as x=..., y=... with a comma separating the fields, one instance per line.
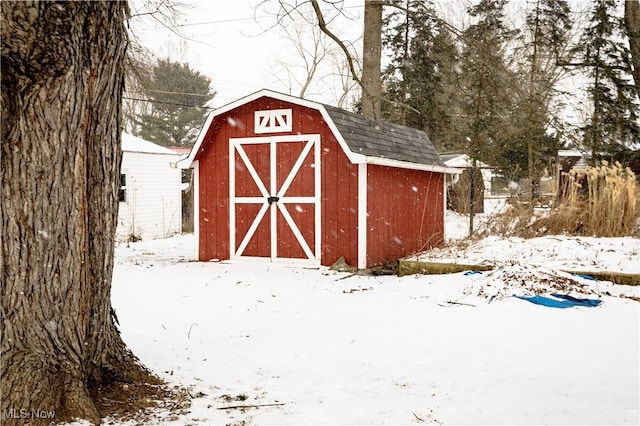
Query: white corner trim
x=232, y=197
x=196, y=208
x=318, y=194
x=362, y=215
x=444, y=208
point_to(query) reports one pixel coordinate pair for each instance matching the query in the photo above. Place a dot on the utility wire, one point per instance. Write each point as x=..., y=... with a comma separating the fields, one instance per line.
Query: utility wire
x=225, y=21
x=166, y=103
x=177, y=93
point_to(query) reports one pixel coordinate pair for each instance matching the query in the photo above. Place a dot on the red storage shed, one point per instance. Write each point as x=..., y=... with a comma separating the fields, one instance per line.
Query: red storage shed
x=281, y=178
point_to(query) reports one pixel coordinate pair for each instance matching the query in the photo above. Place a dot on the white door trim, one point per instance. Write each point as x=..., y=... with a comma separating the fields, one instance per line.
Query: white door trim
x=311, y=141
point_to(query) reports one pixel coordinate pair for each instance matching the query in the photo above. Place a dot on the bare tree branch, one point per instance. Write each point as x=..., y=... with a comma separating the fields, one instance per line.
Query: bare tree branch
x=323, y=27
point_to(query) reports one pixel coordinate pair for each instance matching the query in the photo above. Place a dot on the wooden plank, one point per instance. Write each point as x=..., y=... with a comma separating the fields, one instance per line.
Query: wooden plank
x=614, y=277
x=410, y=267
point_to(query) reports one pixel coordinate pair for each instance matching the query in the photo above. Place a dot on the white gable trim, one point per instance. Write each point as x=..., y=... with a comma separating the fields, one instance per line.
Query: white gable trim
x=353, y=157
x=188, y=161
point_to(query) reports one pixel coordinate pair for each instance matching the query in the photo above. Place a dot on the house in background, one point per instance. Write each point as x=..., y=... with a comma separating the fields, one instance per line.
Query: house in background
x=460, y=190
x=150, y=191
x=464, y=162
x=279, y=178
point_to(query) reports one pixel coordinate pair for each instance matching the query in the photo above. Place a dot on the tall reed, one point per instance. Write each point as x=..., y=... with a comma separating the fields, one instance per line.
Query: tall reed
x=607, y=207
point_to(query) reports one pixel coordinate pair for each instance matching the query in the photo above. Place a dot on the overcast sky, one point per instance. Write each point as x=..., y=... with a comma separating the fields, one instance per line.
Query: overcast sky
x=239, y=46
x=236, y=45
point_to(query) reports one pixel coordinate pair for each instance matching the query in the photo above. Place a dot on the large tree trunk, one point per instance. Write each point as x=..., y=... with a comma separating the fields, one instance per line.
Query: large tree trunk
x=632, y=23
x=371, y=51
x=62, y=83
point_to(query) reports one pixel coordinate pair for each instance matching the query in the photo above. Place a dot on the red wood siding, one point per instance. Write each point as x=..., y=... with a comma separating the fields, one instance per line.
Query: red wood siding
x=339, y=203
x=213, y=214
x=338, y=188
x=405, y=212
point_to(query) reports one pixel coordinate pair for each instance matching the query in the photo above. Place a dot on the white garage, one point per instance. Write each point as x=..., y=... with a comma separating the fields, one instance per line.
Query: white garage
x=150, y=191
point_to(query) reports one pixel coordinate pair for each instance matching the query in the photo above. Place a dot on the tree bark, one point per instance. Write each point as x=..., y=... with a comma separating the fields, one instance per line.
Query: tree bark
x=62, y=83
x=632, y=23
x=371, y=51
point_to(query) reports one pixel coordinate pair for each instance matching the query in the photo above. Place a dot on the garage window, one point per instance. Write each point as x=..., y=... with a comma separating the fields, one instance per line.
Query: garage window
x=122, y=194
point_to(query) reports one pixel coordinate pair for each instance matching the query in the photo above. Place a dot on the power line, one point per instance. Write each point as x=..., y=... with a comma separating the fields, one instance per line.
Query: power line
x=163, y=102
x=231, y=20
x=178, y=93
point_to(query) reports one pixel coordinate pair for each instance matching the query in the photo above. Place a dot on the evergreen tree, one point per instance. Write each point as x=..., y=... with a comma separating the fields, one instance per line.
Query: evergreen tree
x=177, y=96
x=544, y=40
x=614, y=124
x=423, y=56
x=486, y=93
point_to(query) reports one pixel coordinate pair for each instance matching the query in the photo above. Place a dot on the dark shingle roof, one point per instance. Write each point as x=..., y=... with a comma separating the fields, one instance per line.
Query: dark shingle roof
x=381, y=139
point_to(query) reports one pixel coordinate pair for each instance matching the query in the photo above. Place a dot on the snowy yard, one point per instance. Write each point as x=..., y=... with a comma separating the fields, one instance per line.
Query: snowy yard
x=338, y=349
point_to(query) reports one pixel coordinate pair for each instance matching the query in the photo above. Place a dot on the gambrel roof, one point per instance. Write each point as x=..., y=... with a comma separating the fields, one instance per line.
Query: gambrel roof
x=363, y=139
x=384, y=140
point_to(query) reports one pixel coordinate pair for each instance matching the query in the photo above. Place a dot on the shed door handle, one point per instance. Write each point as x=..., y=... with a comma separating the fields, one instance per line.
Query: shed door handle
x=272, y=200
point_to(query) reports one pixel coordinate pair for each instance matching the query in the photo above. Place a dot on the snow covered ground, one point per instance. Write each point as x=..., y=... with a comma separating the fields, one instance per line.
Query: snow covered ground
x=335, y=348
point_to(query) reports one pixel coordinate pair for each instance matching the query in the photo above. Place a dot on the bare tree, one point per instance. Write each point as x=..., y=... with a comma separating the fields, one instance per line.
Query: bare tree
x=140, y=60
x=318, y=64
x=311, y=48
x=344, y=86
x=370, y=82
x=62, y=83
x=545, y=39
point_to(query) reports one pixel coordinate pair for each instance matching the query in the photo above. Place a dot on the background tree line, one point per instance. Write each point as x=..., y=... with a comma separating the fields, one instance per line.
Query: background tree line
x=492, y=89
x=166, y=100
x=493, y=84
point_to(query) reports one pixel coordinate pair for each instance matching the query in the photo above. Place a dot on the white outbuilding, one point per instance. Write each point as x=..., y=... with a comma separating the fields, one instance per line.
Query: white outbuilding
x=150, y=191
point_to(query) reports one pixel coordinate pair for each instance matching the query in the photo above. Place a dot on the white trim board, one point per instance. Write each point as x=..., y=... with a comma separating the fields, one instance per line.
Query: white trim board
x=310, y=141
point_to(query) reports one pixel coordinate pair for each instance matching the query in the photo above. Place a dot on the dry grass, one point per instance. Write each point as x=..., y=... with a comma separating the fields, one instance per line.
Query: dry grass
x=612, y=200
x=602, y=201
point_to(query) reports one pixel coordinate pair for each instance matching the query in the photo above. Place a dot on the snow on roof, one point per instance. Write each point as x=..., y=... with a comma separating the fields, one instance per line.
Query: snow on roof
x=569, y=153
x=462, y=161
x=132, y=143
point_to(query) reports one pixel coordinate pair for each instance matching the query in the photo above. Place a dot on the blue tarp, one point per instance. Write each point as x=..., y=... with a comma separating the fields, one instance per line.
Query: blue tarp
x=586, y=277
x=560, y=301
